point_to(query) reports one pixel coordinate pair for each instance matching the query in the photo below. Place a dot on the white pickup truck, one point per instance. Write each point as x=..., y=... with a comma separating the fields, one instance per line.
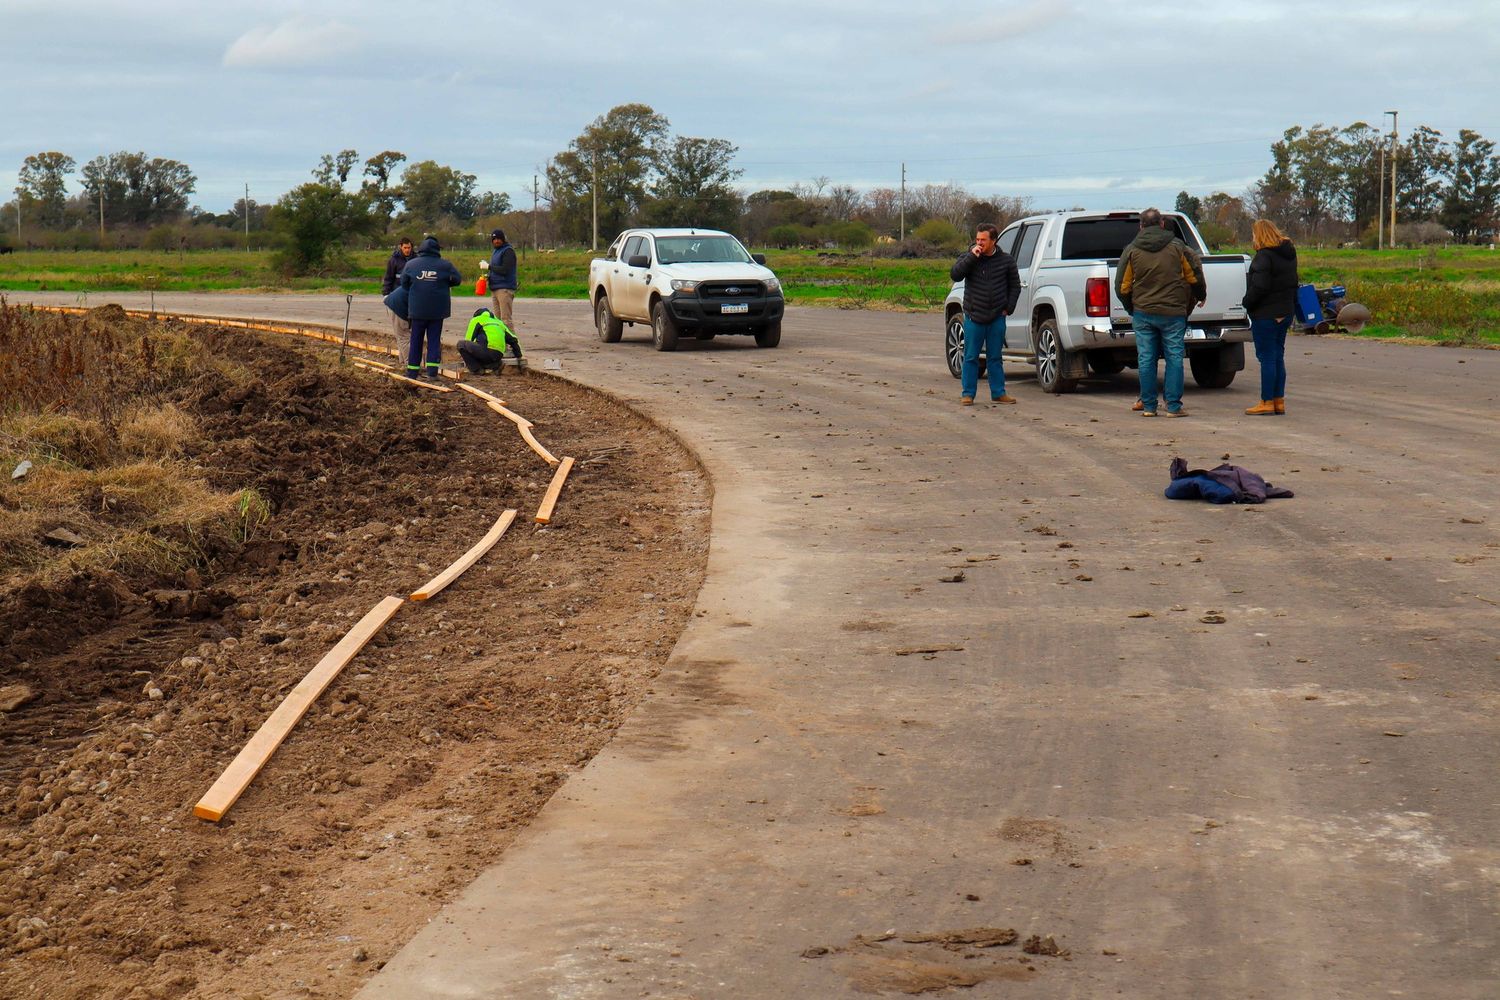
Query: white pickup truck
x=1069, y=321
x=699, y=282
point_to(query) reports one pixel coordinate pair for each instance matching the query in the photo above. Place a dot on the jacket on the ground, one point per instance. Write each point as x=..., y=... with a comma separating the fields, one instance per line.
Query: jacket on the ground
x=427, y=278
x=502, y=271
x=393, y=268
x=992, y=285
x=1221, y=484
x=1159, y=275
x=1271, y=287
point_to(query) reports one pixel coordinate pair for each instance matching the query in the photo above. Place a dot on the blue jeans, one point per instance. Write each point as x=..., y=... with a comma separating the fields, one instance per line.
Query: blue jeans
x=1156, y=336
x=990, y=336
x=430, y=330
x=1270, y=351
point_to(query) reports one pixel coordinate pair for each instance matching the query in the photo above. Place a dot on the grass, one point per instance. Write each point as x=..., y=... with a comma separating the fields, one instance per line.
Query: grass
x=82, y=398
x=1445, y=295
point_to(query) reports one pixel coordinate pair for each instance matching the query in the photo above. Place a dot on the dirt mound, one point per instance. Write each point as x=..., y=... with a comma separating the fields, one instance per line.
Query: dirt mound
x=132, y=690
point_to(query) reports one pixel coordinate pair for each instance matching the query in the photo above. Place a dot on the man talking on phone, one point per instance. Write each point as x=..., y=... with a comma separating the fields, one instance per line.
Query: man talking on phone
x=992, y=287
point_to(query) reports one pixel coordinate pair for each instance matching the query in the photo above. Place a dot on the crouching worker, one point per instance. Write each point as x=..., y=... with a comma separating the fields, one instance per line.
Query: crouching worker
x=485, y=341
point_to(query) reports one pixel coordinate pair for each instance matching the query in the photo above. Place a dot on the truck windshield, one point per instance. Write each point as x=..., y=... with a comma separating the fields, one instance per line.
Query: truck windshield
x=1103, y=239
x=700, y=250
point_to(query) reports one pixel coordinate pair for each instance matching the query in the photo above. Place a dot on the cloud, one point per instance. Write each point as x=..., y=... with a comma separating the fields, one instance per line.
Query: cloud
x=1012, y=24
x=298, y=41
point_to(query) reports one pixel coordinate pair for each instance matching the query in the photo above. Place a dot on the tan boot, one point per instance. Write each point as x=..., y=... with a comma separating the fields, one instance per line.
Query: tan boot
x=1280, y=403
x=1264, y=408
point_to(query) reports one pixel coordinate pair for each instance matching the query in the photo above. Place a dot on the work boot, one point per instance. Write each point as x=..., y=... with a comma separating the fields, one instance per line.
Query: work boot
x=1003, y=398
x=1177, y=413
x=966, y=401
x=1139, y=406
x=1280, y=403
x=1264, y=408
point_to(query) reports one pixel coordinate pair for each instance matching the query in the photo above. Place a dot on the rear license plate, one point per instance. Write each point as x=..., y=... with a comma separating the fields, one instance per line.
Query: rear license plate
x=1196, y=335
x=738, y=307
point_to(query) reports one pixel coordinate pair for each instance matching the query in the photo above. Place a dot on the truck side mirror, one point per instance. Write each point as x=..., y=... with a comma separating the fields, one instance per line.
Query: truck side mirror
x=639, y=260
x=759, y=258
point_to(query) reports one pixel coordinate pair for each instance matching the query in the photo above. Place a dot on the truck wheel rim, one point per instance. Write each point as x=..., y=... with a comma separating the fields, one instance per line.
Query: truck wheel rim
x=955, y=344
x=1046, y=358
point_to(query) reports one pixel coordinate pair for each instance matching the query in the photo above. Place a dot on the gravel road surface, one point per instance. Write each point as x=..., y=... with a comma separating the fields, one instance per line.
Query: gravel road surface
x=967, y=668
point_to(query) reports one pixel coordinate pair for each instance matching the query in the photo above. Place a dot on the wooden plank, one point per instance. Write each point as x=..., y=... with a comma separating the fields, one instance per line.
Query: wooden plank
x=247, y=764
x=471, y=390
x=536, y=445
x=402, y=378
x=554, y=490
x=514, y=418
x=469, y=558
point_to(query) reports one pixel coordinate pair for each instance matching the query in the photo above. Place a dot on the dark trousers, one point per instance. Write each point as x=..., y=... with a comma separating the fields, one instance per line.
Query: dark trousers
x=430, y=330
x=1270, y=351
x=476, y=358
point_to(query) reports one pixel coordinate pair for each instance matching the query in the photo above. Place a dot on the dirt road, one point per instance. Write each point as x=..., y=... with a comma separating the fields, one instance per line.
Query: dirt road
x=1209, y=751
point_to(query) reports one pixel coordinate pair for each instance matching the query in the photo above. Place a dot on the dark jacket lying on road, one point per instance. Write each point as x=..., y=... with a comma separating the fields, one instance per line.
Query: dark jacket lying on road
x=1221, y=484
x=992, y=285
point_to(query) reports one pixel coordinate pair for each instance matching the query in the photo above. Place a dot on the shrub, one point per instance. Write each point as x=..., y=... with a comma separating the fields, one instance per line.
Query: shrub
x=939, y=233
x=851, y=235
x=318, y=220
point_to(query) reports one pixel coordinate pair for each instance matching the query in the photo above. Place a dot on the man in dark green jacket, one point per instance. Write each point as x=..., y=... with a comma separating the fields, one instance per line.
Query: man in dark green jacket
x=1158, y=280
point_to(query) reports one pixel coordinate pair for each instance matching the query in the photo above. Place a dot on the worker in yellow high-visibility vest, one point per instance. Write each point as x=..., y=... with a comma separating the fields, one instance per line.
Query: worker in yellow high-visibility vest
x=485, y=342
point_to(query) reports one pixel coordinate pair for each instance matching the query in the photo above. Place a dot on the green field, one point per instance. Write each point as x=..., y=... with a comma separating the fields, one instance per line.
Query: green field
x=1445, y=295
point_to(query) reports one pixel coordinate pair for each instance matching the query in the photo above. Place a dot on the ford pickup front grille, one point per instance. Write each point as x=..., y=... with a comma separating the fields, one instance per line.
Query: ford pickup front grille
x=730, y=289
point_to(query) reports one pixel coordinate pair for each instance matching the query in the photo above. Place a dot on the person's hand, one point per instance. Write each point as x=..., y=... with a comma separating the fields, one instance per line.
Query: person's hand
x=974, y=250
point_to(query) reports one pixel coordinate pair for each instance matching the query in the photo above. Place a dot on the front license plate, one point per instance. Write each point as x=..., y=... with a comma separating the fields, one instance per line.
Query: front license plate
x=735, y=307
x=1196, y=335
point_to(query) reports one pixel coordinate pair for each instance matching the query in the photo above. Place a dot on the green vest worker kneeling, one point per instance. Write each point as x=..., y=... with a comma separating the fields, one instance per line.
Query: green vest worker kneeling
x=483, y=346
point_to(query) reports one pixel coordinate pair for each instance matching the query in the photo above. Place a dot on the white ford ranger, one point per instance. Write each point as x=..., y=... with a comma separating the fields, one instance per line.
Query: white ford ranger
x=1069, y=322
x=698, y=282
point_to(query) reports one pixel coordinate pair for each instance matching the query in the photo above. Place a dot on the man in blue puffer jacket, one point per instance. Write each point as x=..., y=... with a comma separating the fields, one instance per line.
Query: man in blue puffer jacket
x=427, y=278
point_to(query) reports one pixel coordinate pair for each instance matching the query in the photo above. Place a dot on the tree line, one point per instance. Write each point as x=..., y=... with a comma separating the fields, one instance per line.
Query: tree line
x=627, y=168
x=1332, y=184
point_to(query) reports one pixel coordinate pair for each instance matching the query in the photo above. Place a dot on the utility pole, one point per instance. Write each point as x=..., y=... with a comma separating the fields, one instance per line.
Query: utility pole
x=247, y=215
x=594, y=158
x=101, y=217
x=903, y=203
x=535, y=202
x=1380, y=203
x=1394, y=135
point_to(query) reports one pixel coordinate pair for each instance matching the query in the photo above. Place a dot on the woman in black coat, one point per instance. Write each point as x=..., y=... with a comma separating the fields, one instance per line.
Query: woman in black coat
x=1271, y=302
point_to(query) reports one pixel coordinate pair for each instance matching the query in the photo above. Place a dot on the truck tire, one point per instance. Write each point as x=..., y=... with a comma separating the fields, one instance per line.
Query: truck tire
x=953, y=346
x=663, y=328
x=768, y=335
x=606, y=323
x=1050, y=359
x=1208, y=371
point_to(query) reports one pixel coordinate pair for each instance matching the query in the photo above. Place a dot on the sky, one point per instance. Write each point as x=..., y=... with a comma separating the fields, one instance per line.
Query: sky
x=1098, y=104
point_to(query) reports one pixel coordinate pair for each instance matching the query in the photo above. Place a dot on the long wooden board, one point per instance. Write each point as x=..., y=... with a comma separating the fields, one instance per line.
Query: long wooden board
x=554, y=490
x=471, y=390
x=469, y=558
x=513, y=417
x=536, y=445
x=402, y=378
x=243, y=769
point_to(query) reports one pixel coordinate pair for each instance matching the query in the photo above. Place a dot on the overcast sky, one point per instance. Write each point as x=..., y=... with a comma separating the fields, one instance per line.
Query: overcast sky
x=1096, y=103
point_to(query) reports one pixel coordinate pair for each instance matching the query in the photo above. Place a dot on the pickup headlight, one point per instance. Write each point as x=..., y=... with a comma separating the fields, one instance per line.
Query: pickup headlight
x=773, y=285
x=682, y=285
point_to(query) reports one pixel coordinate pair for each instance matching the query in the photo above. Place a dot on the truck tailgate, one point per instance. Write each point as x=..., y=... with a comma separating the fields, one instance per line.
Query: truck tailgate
x=1225, y=277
